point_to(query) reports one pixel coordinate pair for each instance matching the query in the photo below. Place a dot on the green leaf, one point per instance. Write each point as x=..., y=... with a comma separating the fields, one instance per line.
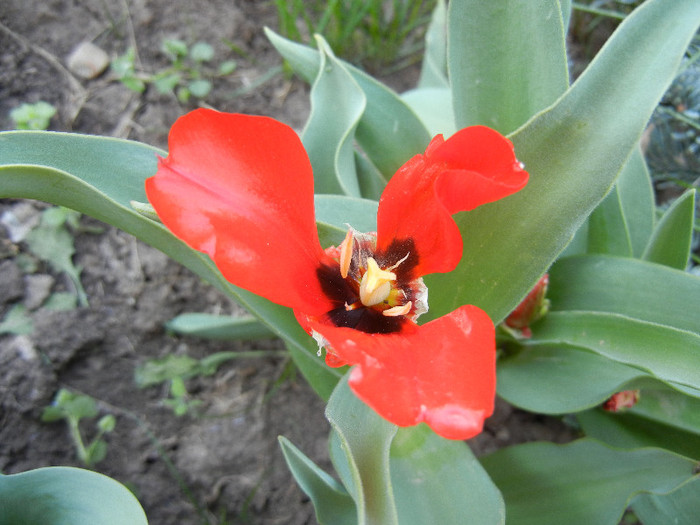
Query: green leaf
x=107, y=423
x=66, y=496
x=33, y=116
x=60, y=301
x=174, y=48
x=622, y=223
x=581, y=483
x=507, y=60
x=680, y=507
x=561, y=379
x=199, y=88
x=433, y=71
x=338, y=211
x=371, y=180
x=332, y=503
x=96, y=452
x=671, y=408
x=134, y=84
x=607, y=228
x=166, y=82
x=573, y=152
x=53, y=243
x=566, y=13
x=630, y=287
x=389, y=132
x=210, y=326
x=440, y=481
x=201, y=52
x=671, y=240
x=227, y=67
x=637, y=198
x=628, y=430
x=337, y=104
x=17, y=321
x=365, y=439
x=33, y=163
x=664, y=352
x=156, y=371
x=434, y=107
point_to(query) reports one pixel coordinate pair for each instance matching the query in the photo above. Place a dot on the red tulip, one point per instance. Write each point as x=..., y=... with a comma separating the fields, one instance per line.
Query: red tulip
x=240, y=188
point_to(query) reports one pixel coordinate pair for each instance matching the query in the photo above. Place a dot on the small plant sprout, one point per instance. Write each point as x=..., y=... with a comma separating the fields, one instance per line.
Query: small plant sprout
x=189, y=74
x=33, y=116
x=52, y=241
x=72, y=408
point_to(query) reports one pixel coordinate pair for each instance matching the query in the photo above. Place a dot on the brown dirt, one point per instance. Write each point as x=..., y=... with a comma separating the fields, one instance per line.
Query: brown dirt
x=223, y=466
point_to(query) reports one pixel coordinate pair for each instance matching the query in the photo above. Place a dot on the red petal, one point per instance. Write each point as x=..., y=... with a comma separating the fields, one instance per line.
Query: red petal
x=475, y=166
x=240, y=188
x=442, y=373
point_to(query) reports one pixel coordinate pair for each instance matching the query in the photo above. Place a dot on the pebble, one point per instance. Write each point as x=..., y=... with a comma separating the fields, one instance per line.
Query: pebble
x=10, y=281
x=37, y=290
x=87, y=60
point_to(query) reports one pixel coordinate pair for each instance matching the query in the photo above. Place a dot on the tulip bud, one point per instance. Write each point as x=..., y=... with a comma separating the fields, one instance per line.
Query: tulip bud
x=621, y=401
x=533, y=307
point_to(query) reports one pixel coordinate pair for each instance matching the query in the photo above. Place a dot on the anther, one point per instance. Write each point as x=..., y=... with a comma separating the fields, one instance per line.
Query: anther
x=397, y=311
x=346, y=248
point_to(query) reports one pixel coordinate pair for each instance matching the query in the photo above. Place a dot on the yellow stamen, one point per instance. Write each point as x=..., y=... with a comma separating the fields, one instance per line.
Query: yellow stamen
x=346, y=254
x=396, y=311
x=376, y=284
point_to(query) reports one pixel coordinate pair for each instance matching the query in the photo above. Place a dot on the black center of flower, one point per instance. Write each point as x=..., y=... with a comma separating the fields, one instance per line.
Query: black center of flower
x=350, y=310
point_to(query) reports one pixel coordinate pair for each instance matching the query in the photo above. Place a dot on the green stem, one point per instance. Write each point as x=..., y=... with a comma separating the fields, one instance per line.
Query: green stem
x=78, y=441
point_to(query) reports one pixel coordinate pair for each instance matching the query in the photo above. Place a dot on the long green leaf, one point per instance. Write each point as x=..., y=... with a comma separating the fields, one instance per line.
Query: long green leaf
x=607, y=227
x=581, y=483
x=561, y=379
x=333, y=504
x=670, y=242
x=440, y=481
x=637, y=199
x=664, y=352
x=433, y=72
x=389, y=132
x=623, y=221
x=506, y=59
x=573, y=152
x=680, y=507
x=627, y=430
x=337, y=104
x=629, y=287
x=226, y=327
x=365, y=439
x=670, y=407
x=99, y=177
x=66, y=496
x=434, y=107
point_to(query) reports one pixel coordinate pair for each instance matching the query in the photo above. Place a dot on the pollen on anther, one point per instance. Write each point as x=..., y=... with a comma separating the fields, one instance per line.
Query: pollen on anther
x=346, y=254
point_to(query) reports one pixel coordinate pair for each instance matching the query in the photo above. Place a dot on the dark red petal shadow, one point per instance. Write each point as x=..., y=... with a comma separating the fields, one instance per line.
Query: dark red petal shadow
x=475, y=166
x=442, y=373
x=240, y=188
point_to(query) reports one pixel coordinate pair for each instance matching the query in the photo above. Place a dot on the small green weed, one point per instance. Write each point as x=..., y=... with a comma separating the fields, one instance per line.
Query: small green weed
x=73, y=407
x=16, y=321
x=175, y=369
x=52, y=241
x=33, y=116
x=190, y=73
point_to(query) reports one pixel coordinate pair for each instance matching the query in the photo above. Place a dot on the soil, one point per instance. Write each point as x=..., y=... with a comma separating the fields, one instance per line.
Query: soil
x=221, y=464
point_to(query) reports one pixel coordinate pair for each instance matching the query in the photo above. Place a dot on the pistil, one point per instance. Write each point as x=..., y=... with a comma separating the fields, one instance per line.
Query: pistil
x=375, y=285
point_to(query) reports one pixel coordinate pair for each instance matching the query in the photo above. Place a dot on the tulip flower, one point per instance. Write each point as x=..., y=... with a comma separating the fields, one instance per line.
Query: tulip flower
x=240, y=189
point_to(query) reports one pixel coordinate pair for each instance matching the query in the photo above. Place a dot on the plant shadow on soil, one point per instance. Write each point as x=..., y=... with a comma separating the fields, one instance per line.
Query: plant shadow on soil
x=223, y=466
